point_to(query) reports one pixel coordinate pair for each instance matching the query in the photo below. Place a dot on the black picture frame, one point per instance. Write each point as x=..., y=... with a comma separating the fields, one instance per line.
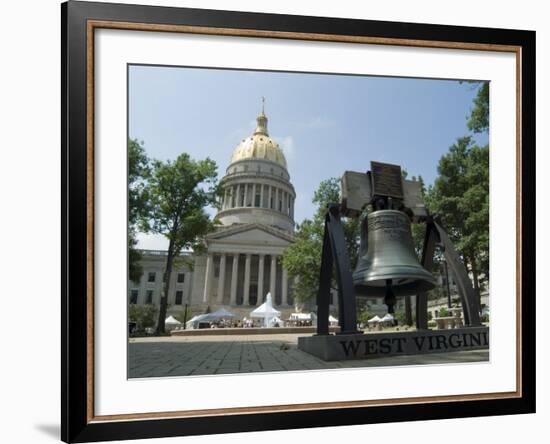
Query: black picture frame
x=77, y=424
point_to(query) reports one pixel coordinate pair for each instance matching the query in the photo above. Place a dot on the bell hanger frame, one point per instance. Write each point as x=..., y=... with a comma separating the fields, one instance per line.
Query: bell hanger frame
x=335, y=255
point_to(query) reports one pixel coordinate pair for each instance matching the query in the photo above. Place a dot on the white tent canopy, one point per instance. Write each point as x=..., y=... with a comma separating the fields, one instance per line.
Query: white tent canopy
x=332, y=319
x=374, y=319
x=194, y=321
x=219, y=314
x=209, y=317
x=266, y=311
x=171, y=320
x=387, y=318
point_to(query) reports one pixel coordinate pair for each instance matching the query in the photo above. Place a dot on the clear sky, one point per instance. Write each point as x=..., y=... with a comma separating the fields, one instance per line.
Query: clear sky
x=325, y=124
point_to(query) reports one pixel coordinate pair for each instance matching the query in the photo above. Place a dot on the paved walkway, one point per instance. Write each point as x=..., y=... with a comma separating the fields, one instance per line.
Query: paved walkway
x=182, y=356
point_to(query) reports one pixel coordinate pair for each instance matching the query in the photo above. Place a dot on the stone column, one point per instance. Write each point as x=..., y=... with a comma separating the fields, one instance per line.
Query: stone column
x=270, y=195
x=253, y=195
x=246, y=296
x=221, y=279
x=234, y=276
x=284, y=298
x=261, y=279
x=273, y=276
x=207, y=277
x=225, y=194
x=238, y=196
x=261, y=195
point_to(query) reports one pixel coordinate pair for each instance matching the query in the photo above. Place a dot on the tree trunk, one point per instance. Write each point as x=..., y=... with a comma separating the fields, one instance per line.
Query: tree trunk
x=166, y=288
x=475, y=274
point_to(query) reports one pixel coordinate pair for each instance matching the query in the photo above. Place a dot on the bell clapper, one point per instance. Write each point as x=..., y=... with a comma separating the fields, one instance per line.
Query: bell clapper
x=389, y=299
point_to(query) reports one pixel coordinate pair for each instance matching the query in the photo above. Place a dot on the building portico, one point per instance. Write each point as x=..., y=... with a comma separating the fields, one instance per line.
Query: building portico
x=239, y=272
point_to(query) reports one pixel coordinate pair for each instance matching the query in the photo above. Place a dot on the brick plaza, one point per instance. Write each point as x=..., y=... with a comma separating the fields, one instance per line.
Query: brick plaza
x=183, y=356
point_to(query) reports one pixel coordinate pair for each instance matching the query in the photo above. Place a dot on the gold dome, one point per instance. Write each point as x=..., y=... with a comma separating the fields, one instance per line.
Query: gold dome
x=259, y=145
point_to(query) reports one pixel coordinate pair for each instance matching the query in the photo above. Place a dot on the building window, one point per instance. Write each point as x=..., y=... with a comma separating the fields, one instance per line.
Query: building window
x=257, y=200
x=179, y=297
x=151, y=276
x=181, y=278
x=280, y=205
x=216, y=270
x=149, y=297
x=134, y=296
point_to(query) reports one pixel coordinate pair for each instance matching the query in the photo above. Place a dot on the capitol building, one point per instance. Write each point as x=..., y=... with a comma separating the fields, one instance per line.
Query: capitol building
x=242, y=263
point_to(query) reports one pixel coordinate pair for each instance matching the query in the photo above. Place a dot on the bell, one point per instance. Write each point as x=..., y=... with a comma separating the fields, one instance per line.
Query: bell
x=388, y=266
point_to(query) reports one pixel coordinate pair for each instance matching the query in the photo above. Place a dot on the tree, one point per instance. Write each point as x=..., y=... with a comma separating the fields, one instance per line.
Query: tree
x=478, y=122
x=179, y=191
x=138, y=172
x=363, y=312
x=418, y=231
x=142, y=315
x=184, y=315
x=460, y=195
x=302, y=258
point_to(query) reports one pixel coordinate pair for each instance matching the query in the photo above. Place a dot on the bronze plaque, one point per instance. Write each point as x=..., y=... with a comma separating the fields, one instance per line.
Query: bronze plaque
x=386, y=180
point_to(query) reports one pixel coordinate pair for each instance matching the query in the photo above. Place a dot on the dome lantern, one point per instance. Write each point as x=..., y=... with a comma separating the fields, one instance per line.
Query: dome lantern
x=261, y=121
x=261, y=125
x=259, y=145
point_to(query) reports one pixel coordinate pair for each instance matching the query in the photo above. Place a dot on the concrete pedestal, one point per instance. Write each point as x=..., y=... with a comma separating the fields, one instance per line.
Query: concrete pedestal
x=336, y=347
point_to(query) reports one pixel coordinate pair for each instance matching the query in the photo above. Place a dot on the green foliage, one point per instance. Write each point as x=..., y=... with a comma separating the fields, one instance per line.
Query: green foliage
x=443, y=312
x=302, y=259
x=178, y=192
x=143, y=315
x=184, y=315
x=135, y=269
x=138, y=172
x=363, y=315
x=460, y=195
x=418, y=231
x=478, y=122
x=401, y=317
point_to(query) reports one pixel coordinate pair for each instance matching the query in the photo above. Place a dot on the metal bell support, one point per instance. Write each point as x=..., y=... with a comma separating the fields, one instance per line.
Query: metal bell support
x=335, y=255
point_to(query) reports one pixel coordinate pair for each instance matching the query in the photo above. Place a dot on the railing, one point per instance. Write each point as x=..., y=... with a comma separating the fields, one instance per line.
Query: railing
x=161, y=253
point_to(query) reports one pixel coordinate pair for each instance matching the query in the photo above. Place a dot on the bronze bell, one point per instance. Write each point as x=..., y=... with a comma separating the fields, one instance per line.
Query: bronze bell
x=388, y=266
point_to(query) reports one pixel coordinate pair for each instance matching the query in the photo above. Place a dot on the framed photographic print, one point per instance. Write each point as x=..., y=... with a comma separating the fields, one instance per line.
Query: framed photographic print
x=275, y=221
